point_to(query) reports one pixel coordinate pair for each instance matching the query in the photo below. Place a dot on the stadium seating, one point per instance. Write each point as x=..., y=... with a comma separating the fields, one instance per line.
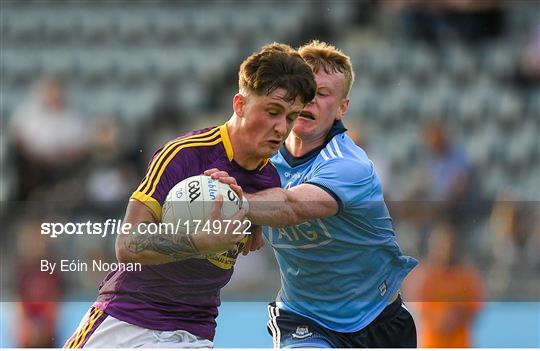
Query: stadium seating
x=115, y=59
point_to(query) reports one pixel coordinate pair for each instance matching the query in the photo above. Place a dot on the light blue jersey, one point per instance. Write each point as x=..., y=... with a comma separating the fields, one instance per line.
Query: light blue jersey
x=340, y=271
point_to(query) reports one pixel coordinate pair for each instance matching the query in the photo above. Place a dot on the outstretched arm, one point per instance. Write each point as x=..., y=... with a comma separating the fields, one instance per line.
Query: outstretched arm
x=278, y=207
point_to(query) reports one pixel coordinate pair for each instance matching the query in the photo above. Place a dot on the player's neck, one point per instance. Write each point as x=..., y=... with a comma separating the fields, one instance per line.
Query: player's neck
x=245, y=161
x=239, y=145
x=299, y=147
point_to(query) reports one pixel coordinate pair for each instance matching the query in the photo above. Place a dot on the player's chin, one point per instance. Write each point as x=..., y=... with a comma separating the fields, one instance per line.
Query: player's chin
x=300, y=130
x=269, y=150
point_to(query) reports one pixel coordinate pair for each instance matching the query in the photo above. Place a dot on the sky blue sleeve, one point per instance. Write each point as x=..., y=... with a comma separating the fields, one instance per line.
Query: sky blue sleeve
x=349, y=181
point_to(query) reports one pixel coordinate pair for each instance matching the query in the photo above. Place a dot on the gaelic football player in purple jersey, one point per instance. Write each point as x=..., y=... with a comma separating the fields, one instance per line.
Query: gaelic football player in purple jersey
x=173, y=300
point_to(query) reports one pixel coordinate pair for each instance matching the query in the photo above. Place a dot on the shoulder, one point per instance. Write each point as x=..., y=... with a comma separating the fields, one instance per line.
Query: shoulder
x=343, y=156
x=190, y=144
x=458, y=155
x=200, y=133
x=191, y=140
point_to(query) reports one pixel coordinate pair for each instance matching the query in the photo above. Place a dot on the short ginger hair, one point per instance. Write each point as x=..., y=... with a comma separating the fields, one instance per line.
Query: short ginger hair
x=320, y=55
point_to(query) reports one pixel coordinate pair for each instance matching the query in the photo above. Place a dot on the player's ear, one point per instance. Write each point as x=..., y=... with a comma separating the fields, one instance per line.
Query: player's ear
x=239, y=101
x=343, y=108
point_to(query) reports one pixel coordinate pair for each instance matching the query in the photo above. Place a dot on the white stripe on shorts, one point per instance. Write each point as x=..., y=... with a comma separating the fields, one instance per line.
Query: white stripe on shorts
x=278, y=338
x=271, y=325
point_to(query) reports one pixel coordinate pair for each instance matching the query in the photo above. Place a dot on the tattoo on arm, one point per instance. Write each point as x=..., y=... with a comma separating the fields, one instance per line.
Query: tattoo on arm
x=177, y=246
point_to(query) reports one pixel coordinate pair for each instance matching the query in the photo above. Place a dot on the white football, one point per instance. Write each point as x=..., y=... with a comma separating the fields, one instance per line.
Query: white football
x=192, y=200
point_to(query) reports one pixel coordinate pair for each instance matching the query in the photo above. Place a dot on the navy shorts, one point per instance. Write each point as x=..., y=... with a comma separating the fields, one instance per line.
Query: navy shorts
x=394, y=327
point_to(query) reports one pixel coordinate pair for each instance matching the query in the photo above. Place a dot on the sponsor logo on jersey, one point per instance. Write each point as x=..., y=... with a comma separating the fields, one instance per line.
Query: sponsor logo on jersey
x=306, y=235
x=293, y=175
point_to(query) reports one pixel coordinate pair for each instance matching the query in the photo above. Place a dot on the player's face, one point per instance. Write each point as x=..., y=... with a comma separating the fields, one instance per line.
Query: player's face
x=329, y=104
x=267, y=121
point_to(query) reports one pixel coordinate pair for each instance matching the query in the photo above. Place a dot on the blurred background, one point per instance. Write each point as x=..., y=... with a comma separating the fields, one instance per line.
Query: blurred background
x=446, y=103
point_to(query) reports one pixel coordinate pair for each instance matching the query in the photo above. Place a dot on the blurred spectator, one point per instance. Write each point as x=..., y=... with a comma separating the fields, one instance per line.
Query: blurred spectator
x=449, y=171
x=528, y=66
x=446, y=178
x=364, y=12
x=420, y=18
x=474, y=20
x=321, y=28
x=49, y=137
x=111, y=175
x=168, y=120
x=515, y=243
x=447, y=292
x=38, y=292
x=437, y=21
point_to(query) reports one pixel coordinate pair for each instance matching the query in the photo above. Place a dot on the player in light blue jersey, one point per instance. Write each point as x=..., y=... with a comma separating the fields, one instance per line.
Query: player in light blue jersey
x=341, y=267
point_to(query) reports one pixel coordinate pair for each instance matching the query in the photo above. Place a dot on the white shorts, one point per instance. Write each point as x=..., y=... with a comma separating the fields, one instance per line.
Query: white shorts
x=99, y=330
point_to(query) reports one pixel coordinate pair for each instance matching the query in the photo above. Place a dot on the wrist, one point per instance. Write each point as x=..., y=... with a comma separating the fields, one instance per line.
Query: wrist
x=198, y=242
x=204, y=244
x=245, y=204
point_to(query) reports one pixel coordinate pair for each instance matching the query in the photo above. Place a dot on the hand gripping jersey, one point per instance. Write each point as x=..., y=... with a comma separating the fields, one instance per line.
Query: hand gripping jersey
x=184, y=294
x=340, y=271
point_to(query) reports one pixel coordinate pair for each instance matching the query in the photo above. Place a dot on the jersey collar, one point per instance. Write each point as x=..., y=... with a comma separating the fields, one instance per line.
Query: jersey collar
x=226, y=141
x=228, y=146
x=337, y=128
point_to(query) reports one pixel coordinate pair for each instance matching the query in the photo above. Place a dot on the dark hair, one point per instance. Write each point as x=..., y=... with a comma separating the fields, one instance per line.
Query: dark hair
x=277, y=66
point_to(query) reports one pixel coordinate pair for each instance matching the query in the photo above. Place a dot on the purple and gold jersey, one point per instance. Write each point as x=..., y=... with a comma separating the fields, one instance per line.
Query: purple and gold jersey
x=183, y=294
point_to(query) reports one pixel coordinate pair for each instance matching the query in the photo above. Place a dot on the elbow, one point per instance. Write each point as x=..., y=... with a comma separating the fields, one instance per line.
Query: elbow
x=295, y=211
x=298, y=220
x=123, y=255
x=292, y=218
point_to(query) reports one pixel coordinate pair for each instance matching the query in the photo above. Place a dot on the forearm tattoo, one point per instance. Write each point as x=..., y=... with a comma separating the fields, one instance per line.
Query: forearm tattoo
x=179, y=247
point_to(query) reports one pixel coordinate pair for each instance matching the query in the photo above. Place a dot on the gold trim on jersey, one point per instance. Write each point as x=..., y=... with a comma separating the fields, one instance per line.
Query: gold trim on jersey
x=226, y=260
x=206, y=142
x=226, y=141
x=154, y=166
x=149, y=185
x=265, y=162
x=228, y=146
x=147, y=198
x=150, y=202
x=222, y=261
x=77, y=339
